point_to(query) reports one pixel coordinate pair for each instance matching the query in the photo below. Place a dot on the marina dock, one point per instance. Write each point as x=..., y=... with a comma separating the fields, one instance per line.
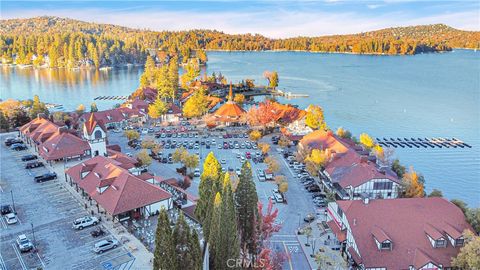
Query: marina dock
x=111, y=98
x=422, y=143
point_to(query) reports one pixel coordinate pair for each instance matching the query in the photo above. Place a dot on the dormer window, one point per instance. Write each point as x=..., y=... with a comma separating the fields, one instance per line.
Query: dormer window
x=440, y=243
x=459, y=242
x=386, y=245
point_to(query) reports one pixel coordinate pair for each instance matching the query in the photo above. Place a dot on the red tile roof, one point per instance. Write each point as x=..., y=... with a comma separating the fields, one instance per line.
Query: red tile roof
x=92, y=122
x=321, y=139
x=229, y=110
x=124, y=191
x=404, y=221
x=39, y=129
x=113, y=115
x=287, y=113
x=339, y=233
x=62, y=144
x=351, y=169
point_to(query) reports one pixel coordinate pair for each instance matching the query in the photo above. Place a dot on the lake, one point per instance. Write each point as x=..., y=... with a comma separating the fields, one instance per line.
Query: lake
x=427, y=95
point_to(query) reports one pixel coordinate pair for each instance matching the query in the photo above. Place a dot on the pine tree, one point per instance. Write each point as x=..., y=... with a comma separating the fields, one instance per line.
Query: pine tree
x=37, y=107
x=157, y=108
x=173, y=75
x=3, y=122
x=164, y=254
x=246, y=205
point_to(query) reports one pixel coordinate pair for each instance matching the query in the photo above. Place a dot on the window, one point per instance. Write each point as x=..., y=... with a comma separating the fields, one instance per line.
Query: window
x=385, y=245
x=98, y=134
x=382, y=185
x=459, y=242
x=440, y=243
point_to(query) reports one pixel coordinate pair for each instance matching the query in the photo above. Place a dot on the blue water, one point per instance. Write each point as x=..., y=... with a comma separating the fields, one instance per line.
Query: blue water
x=429, y=95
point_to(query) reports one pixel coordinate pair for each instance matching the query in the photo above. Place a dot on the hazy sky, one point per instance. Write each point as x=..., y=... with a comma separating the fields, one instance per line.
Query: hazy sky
x=269, y=18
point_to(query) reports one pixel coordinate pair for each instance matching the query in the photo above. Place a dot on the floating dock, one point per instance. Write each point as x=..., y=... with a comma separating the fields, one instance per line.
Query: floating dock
x=111, y=98
x=422, y=143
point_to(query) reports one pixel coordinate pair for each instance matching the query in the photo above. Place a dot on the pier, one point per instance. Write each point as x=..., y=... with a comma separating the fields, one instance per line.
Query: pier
x=422, y=143
x=111, y=98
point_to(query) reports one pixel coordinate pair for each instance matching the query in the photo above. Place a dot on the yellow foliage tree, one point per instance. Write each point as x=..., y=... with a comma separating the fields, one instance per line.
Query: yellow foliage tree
x=264, y=147
x=468, y=257
x=157, y=108
x=412, y=186
x=239, y=98
x=143, y=158
x=367, y=141
x=131, y=135
x=255, y=135
x=272, y=164
x=196, y=105
x=314, y=118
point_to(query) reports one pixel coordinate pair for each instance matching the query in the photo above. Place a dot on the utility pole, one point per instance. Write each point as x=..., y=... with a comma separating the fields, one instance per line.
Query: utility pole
x=13, y=202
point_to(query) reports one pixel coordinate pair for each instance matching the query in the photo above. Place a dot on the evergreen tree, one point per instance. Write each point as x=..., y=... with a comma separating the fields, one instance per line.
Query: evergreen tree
x=196, y=251
x=164, y=254
x=246, y=205
x=3, y=122
x=93, y=107
x=37, y=107
x=206, y=190
x=173, y=75
x=215, y=240
x=182, y=245
x=229, y=245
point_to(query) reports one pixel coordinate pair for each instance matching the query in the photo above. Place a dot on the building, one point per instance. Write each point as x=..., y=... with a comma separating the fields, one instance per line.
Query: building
x=410, y=233
x=351, y=173
x=117, y=118
x=230, y=113
x=110, y=184
x=95, y=133
x=53, y=142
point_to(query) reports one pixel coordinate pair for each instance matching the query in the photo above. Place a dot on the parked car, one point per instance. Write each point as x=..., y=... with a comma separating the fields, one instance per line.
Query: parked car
x=97, y=232
x=105, y=245
x=45, y=177
x=6, y=209
x=261, y=178
x=309, y=218
x=23, y=243
x=11, y=141
x=197, y=172
x=11, y=218
x=84, y=222
x=34, y=164
x=18, y=147
x=29, y=157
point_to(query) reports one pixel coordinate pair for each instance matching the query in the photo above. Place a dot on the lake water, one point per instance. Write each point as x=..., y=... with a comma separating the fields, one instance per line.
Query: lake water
x=429, y=95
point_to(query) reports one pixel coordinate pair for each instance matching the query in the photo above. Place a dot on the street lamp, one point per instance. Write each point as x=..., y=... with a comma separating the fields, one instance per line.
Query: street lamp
x=34, y=241
x=314, y=241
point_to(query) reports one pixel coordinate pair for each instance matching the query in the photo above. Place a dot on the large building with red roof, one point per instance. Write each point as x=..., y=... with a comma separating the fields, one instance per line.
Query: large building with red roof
x=229, y=113
x=351, y=173
x=409, y=233
x=111, y=183
x=53, y=142
x=116, y=118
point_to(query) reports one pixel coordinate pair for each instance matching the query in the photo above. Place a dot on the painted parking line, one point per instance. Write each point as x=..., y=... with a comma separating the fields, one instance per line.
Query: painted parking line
x=41, y=261
x=19, y=256
x=288, y=256
x=2, y=262
x=2, y=222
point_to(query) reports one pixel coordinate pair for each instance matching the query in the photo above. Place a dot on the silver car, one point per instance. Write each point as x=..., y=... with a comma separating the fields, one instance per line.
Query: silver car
x=105, y=245
x=23, y=243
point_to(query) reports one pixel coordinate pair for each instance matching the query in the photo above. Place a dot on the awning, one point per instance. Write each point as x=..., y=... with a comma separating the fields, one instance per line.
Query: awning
x=354, y=255
x=341, y=235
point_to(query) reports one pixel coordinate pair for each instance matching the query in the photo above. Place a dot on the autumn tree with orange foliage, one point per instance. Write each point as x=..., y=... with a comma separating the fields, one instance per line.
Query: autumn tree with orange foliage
x=413, y=185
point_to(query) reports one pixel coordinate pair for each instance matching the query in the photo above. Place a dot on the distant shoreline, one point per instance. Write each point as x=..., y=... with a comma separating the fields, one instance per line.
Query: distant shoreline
x=219, y=50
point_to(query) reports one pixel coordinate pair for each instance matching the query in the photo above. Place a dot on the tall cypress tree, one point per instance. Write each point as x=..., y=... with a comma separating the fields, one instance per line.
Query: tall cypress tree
x=215, y=239
x=181, y=239
x=196, y=251
x=246, y=205
x=207, y=189
x=164, y=254
x=229, y=245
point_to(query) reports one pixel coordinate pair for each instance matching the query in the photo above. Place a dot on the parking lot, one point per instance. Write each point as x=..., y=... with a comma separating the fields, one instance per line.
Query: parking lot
x=45, y=213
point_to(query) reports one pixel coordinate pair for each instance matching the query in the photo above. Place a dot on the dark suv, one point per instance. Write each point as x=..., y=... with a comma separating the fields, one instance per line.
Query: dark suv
x=6, y=209
x=34, y=164
x=18, y=147
x=45, y=177
x=10, y=141
x=29, y=157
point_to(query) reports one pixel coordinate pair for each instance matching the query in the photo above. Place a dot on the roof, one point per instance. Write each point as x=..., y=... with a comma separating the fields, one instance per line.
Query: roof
x=229, y=110
x=339, y=233
x=190, y=211
x=404, y=222
x=92, y=122
x=62, y=144
x=321, y=139
x=174, y=109
x=113, y=115
x=39, y=129
x=123, y=190
x=287, y=113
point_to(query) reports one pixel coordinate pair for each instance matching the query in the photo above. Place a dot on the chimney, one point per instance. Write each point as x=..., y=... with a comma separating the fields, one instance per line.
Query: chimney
x=363, y=159
x=366, y=200
x=62, y=129
x=354, y=222
x=382, y=171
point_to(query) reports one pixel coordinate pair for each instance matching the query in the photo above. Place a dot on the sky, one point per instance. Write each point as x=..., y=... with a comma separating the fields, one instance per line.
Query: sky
x=275, y=19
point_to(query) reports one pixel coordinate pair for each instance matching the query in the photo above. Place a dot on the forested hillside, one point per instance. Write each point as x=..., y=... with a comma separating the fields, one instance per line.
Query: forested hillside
x=61, y=42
